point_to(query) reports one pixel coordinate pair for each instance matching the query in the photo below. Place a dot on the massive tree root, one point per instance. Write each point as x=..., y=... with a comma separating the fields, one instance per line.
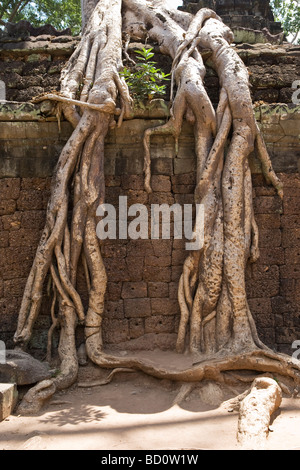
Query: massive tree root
x=216, y=325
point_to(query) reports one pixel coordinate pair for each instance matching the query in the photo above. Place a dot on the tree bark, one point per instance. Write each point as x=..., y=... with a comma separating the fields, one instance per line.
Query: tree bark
x=255, y=412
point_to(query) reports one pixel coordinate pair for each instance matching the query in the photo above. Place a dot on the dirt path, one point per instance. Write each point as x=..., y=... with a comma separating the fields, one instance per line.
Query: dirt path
x=136, y=412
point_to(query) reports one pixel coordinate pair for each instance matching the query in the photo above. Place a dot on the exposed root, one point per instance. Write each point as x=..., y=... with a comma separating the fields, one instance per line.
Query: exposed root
x=216, y=325
x=184, y=391
x=107, y=380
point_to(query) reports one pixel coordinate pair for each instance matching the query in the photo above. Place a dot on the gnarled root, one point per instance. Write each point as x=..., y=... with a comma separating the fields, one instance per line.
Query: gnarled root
x=216, y=325
x=255, y=412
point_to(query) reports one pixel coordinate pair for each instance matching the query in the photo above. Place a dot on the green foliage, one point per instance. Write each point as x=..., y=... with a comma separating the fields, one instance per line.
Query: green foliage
x=60, y=13
x=288, y=12
x=144, y=79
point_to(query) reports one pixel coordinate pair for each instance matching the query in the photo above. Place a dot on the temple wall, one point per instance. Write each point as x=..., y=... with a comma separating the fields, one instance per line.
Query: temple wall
x=141, y=309
x=141, y=303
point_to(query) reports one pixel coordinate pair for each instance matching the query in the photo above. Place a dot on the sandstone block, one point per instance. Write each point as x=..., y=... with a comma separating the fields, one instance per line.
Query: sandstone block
x=114, y=309
x=161, y=183
x=136, y=327
x=158, y=289
x=9, y=188
x=164, y=306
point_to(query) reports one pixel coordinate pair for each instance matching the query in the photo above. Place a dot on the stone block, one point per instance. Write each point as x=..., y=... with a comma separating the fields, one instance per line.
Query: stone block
x=8, y=399
x=292, y=256
x=12, y=130
x=14, y=287
x=4, y=239
x=7, y=206
x=30, y=199
x=267, y=205
x=10, y=188
x=291, y=205
x=291, y=238
x=12, y=221
x=161, y=183
x=136, y=327
x=290, y=221
x=157, y=273
x=115, y=331
x=113, y=290
x=112, y=181
x=260, y=306
x=133, y=182
x=158, y=289
x=162, y=166
x=164, y=306
x=159, y=324
x=114, y=309
x=184, y=165
x=24, y=237
x=23, y=369
x=135, y=267
x=270, y=238
x=162, y=247
x=290, y=271
x=158, y=260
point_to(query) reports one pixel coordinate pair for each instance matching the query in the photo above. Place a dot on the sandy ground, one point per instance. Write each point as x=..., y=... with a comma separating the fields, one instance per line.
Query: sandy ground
x=137, y=412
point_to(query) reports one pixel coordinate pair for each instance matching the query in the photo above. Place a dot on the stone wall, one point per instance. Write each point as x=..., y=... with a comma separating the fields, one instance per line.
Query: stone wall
x=141, y=303
x=240, y=15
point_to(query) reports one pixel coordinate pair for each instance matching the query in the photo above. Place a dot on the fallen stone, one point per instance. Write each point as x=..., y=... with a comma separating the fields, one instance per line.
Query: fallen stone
x=8, y=399
x=22, y=369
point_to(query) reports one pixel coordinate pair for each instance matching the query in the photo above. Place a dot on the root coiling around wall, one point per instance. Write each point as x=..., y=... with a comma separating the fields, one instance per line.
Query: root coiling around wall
x=216, y=325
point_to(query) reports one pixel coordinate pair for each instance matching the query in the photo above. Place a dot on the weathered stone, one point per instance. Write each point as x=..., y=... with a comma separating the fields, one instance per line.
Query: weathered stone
x=21, y=368
x=159, y=324
x=8, y=399
x=158, y=289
